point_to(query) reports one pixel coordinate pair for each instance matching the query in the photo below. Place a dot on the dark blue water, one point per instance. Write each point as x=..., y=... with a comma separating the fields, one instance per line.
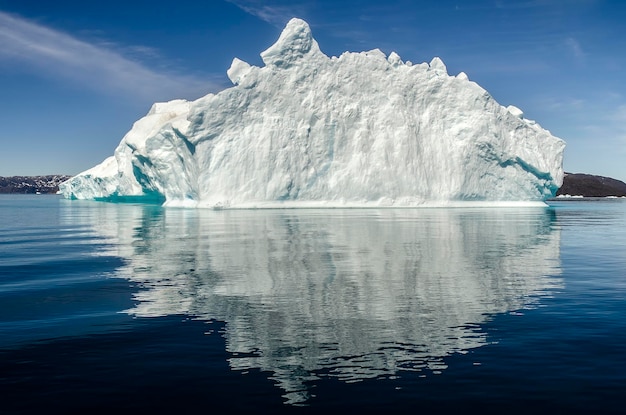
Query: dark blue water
x=137, y=308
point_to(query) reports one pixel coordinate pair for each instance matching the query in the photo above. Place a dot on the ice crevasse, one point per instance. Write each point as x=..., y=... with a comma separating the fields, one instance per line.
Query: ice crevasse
x=361, y=129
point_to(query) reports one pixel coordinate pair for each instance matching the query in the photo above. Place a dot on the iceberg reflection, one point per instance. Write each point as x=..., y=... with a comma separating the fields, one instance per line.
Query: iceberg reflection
x=351, y=294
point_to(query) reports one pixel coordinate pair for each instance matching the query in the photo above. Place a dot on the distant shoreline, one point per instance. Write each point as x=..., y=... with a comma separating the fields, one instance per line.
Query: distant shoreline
x=32, y=184
x=575, y=186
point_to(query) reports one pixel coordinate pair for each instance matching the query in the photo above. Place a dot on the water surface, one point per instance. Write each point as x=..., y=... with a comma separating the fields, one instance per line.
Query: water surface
x=111, y=307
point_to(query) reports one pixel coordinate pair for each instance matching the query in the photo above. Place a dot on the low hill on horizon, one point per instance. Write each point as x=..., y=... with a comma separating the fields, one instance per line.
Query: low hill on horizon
x=589, y=185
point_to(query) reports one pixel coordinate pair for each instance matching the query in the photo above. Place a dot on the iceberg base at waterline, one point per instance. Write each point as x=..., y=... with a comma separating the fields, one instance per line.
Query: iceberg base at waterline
x=308, y=130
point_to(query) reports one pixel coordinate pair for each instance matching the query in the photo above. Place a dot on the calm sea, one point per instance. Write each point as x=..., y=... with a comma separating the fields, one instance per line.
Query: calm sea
x=138, y=308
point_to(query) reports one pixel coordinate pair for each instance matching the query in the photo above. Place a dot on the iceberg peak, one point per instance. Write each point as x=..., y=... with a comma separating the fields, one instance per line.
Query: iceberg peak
x=515, y=111
x=394, y=59
x=238, y=70
x=437, y=65
x=295, y=41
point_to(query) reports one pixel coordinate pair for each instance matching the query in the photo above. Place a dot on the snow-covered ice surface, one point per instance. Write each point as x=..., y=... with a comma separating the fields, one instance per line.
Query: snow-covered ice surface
x=308, y=130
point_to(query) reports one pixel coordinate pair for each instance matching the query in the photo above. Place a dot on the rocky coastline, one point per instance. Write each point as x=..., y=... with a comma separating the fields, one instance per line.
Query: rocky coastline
x=32, y=184
x=588, y=185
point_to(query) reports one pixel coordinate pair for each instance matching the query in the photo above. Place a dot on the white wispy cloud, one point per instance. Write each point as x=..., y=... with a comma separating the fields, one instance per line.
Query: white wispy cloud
x=619, y=119
x=574, y=47
x=605, y=128
x=49, y=52
x=563, y=104
x=277, y=14
x=619, y=114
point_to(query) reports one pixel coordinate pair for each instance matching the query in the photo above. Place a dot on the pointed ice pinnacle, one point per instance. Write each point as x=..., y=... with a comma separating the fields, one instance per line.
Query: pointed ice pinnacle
x=294, y=42
x=238, y=70
x=306, y=130
x=515, y=111
x=436, y=64
x=394, y=59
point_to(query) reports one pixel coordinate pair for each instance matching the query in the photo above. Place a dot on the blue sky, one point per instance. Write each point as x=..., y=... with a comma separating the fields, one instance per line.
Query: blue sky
x=75, y=75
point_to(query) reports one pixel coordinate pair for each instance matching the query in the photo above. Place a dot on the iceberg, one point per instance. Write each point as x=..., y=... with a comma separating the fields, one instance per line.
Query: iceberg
x=306, y=129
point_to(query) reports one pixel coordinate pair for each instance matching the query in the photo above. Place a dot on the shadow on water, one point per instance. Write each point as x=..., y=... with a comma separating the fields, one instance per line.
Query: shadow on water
x=342, y=295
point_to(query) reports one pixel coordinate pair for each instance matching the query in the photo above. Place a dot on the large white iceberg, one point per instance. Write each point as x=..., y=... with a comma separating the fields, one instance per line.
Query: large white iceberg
x=308, y=130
